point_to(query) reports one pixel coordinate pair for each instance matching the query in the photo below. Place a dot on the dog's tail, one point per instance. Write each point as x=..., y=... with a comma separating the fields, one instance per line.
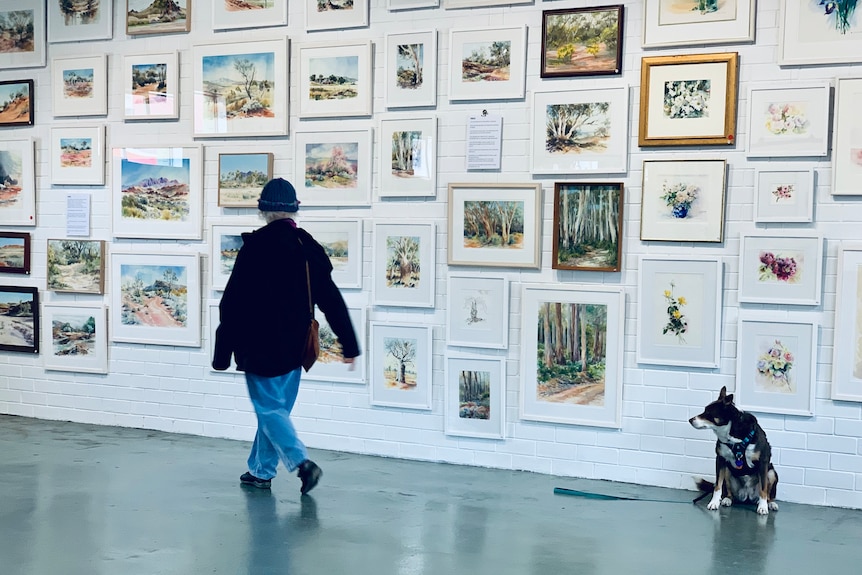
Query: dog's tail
x=704, y=485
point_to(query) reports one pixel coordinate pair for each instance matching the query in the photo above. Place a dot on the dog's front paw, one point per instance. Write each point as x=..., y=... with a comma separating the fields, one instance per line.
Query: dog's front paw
x=773, y=506
x=714, y=503
x=762, y=507
x=726, y=502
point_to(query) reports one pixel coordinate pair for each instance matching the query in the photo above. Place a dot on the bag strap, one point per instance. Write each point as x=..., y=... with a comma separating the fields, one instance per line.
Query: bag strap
x=307, y=282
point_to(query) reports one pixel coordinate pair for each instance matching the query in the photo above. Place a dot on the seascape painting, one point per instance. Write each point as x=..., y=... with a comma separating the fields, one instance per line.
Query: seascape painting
x=78, y=83
x=333, y=78
x=241, y=178
x=11, y=253
x=577, y=128
x=581, y=42
x=17, y=31
x=403, y=266
x=239, y=86
x=331, y=165
x=696, y=11
x=11, y=176
x=80, y=12
x=154, y=295
x=19, y=319
x=474, y=394
x=155, y=191
x=76, y=266
x=486, y=61
x=73, y=334
x=76, y=152
x=409, y=66
x=399, y=364
x=493, y=224
x=587, y=220
x=157, y=16
x=15, y=103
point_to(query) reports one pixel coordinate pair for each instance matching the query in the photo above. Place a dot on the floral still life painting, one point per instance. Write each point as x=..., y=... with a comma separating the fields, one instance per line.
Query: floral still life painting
x=474, y=394
x=76, y=266
x=682, y=11
x=685, y=99
x=677, y=323
x=399, y=363
x=784, y=193
x=780, y=267
x=156, y=191
x=679, y=197
x=783, y=118
x=154, y=295
x=774, y=363
x=403, y=269
x=840, y=13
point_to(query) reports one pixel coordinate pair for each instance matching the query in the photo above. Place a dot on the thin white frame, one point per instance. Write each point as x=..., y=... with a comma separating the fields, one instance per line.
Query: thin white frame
x=356, y=17
x=397, y=5
x=736, y=30
x=826, y=46
x=753, y=290
x=613, y=159
x=217, y=230
x=405, y=296
x=255, y=192
x=218, y=125
x=699, y=278
x=607, y=415
x=153, y=158
x=102, y=29
x=774, y=131
x=188, y=335
x=847, y=142
x=94, y=175
x=423, y=181
x=154, y=28
x=661, y=225
x=257, y=18
x=83, y=363
x=752, y=348
x=363, y=51
x=213, y=317
x=25, y=212
x=36, y=58
x=462, y=329
x=337, y=371
x=349, y=275
x=847, y=346
x=380, y=395
x=166, y=105
x=510, y=89
x=426, y=95
x=530, y=254
x=312, y=195
x=494, y=427
x=766, y=195
x=97, y=103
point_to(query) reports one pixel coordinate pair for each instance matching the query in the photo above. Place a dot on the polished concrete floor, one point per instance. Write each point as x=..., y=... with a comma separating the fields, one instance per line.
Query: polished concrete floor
x=90, y=500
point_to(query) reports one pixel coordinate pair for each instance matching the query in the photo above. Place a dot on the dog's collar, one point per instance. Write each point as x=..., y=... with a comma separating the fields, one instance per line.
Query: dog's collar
x=739, y=449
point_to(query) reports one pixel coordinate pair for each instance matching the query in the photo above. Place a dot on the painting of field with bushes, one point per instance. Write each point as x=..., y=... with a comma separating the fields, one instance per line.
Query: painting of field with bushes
x=155, y=192
x=154, y=295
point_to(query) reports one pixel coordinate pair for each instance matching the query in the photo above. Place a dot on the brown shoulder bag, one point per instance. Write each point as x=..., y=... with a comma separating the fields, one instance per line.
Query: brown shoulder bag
x=311, y=349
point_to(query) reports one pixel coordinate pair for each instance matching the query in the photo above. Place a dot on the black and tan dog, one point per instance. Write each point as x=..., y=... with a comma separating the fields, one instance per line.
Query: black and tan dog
x=743, y=470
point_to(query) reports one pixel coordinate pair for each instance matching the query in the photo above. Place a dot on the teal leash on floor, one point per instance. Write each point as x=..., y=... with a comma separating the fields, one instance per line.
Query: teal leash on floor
x=604, y=497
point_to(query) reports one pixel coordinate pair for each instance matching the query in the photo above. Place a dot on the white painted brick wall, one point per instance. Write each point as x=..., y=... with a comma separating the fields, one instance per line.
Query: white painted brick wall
x=173, y=389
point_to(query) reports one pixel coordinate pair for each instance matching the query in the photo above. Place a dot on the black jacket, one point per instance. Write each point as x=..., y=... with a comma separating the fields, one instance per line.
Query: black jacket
x=264, y=309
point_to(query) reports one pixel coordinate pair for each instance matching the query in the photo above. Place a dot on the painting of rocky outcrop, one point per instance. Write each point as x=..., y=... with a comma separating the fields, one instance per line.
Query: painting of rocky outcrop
x=155, y=192
x=157, y=16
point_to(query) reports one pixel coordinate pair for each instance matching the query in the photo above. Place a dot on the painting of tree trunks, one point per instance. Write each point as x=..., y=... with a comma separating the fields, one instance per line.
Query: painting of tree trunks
x=474, y=394
x=582, y=41
x=588, y=221
x=400, y=365
x=494, y=224
x=404, y=265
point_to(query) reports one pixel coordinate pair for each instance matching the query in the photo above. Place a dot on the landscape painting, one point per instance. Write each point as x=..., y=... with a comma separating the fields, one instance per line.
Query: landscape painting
x=582, y=41
x=155, y=190
x=409, y=65
x=19, y=319
x=588, y=226
x=331, y=165
x=11, y=178
x=486, y=61
x=80, y=12
x=474, y=394
x=403, y=265
x=154, y=295
x=493, y=224
x=73, y=334
x=14, y=253
x=76, y=152
x=336, y=244
x=241, y=178
x=150, y=83
x=408, y=159
x=577, y=128
x=333, y=78
x=17, y=31
x=239, y=86
x=78, y=83
x=16, y=103
x=334, y=5
x=229, y=245
x=76, y=266
x=694, y=11
x=157, y=16
x=245, y=5
x=399, y=364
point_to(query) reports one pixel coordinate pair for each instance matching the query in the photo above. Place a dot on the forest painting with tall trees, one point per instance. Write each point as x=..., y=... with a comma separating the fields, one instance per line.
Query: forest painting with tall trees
x=571, y=353
x=588, y=226
x=474, y=394
x=493, y=224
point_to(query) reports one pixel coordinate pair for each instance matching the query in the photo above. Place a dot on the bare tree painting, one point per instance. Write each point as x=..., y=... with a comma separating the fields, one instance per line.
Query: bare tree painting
x=399, y=365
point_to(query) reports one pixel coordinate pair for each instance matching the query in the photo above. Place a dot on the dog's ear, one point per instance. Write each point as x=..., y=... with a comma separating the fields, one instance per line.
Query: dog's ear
x=729, y=399
x=723, y=393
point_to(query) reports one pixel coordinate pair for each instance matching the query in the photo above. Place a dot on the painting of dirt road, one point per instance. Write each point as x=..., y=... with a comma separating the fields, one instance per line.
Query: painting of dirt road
x=19, y=308
x=154, y=295
x=76, y=266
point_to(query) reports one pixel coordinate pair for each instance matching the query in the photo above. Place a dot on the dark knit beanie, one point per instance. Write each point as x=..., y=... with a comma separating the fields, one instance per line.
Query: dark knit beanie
x=278, y=195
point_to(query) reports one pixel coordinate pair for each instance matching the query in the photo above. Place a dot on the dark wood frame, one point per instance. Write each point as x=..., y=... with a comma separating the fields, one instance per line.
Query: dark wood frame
x=34, y=307
x=555, y=263
x=547, y=14
x=30, y=111
x=25, y=269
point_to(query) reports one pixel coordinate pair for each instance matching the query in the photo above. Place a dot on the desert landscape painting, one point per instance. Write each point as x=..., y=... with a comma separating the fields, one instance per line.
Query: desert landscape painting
x=241, y=178
x=76, y=266
x=154, y=295
x=78, y=83
x=333, y=78
x=331, y=165
x=244, y=5
x=15, y=104
x=149, y=83
x=239, y=85
x=18, y=319
x=11, y=168
x=76, y=152
x=336, y=244
x=11, y=253
x=155, y=192
x=17, y=31
x=73, y=334
x=157, y=16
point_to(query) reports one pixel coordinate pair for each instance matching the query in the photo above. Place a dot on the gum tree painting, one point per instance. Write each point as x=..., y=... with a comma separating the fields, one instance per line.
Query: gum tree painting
x=581, y=41
x=17, y=31
x=409, y=65
x=240, y=85
x=333, y=78
x=399, y=363
x=573, y=128
x=155, y=192
x=571, y=353
x=247, y=5
x=486, y=61
x=229, y=245
x=76, y=152
x=11, y=174
x=336, y=244
x=154, y=295
x=78, y=83
x=14, y=103
x=80, y=12
x=75, y=265
x=406, y=153
x=73, y=334
x=149, y=83
x=474, y=394
x=588, y=226
x=331, y=165
x=493, y=224
x=403, y=268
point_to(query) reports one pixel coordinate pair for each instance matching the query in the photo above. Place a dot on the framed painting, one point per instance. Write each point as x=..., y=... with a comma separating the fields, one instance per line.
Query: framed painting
x=225, y=242
x=16, y=103
x=18, y=180
x=241, y=89
x=458, y=4
x=477, y=311
x=75, y=338
x=776, y=367
x=788, y=122
x=14, y=253
x=341, y=239
x=330, y=366
x=397, y=5
x=156, y=298
x=157, y=193
x=847, y=347
x=487, y=63
x=408, y=157
x=783, y=267
x=582, y=42
x=688, y=100
x=151, y=87
x=679, y=311
x=496, y=225
x=80, y=86
x=572, y=354
x=22, y=28
x=214, y=319
x=588, y=226
x=475, y=396
x=683, y=200
x=78, y=155
x=783, y=193
x=76, y=266
x=335, y=14
x=814, y=32
x=241, y=178
x=237, y=14
x=19, y=319
x=70, y=21
x=149, y=17
x=697, y=22
x=411, y=70
x=401, y=365
x=335, y=80
x=404, y=270
x=847, y=145
x=580, y=131
x=334, y=167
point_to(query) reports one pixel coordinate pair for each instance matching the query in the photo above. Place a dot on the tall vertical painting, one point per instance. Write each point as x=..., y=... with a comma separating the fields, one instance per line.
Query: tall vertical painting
x=588, y=220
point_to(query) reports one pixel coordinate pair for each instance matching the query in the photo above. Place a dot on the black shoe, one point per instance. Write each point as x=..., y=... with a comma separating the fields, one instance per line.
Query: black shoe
x=252, y=481
x=310, y=474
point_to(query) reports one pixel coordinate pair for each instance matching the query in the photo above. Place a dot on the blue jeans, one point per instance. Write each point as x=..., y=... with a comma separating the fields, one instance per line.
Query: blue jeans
x=273, y=399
